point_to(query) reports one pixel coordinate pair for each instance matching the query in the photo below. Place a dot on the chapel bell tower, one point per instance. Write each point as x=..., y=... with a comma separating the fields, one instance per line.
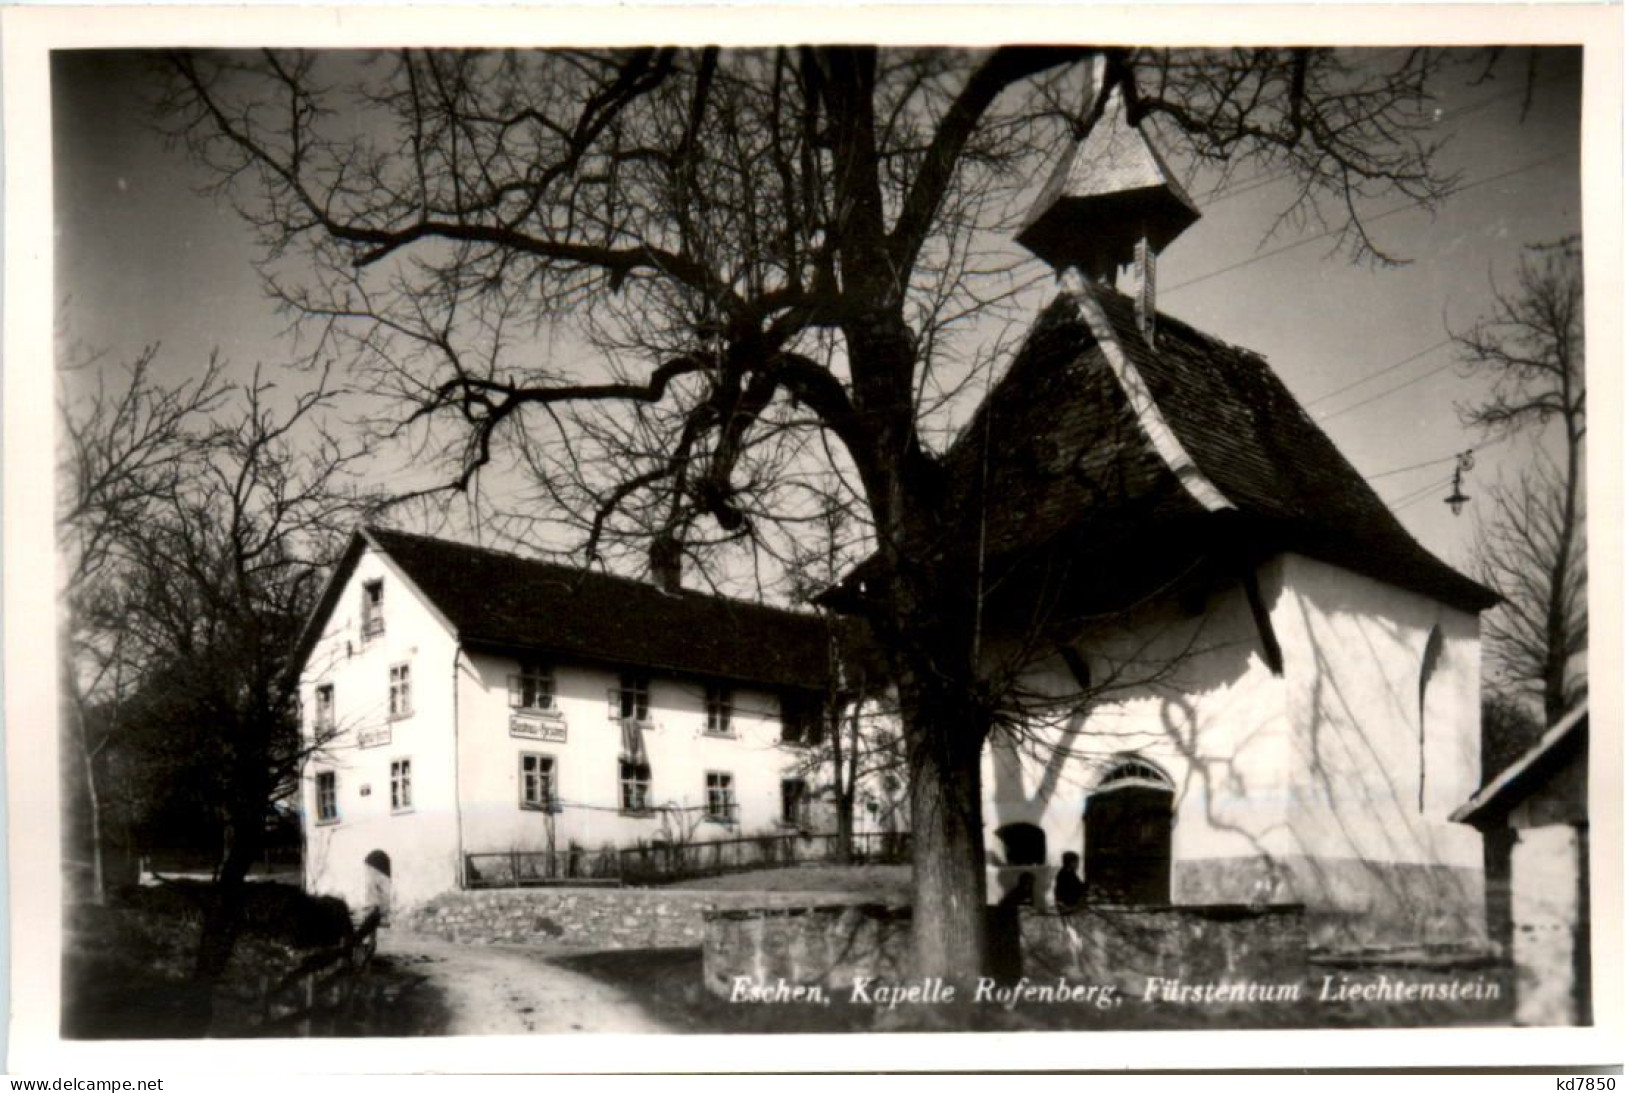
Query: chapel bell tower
x=1111, y=203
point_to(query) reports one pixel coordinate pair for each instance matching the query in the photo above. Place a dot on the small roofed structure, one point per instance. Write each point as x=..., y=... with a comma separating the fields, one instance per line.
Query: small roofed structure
x=1535, y=820
x=1108, y=193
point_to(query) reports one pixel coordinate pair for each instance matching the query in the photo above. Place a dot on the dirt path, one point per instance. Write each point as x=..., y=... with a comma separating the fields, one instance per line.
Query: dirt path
x=497, y=990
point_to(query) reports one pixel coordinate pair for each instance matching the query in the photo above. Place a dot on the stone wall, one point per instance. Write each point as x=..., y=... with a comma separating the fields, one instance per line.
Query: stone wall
x=831, y=945
x=1128, y=946
x=1125, y=946
x=598, y=918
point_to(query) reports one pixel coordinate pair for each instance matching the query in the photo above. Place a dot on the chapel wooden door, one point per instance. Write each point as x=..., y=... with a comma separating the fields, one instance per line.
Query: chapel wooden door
x=1128, y=845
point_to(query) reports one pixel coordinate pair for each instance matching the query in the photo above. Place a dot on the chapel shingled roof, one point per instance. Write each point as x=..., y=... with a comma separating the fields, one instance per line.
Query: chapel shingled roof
x=1069, y=450
x=499, y=600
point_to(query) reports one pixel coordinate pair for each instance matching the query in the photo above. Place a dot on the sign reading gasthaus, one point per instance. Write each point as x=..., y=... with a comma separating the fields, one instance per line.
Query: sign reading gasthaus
x=531, y=727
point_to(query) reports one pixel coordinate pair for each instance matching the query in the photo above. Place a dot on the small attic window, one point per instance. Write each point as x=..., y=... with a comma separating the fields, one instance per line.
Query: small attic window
x=372, y=609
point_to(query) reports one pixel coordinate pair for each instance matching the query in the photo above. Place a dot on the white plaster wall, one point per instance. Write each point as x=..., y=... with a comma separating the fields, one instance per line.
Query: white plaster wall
x=1191, y=694
x=1304, y=786
x=1547, y=916
x=1369, y=782
x=680, y=753
x=422, y=842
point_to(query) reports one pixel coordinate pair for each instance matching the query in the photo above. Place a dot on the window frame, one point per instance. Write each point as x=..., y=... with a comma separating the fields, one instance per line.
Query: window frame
x=803, y=801
x=806, y=712
x=327, y=804
x=549, y=801
x=719, y=710
x=633, y=685
x=400, y=690
x=372, y=609
x=539, y=675
x=400, y=785
x=642, y=786
x=324, y=715
x=729, y=814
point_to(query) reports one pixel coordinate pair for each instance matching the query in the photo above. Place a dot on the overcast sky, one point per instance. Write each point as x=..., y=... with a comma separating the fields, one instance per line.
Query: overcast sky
x=142, y=258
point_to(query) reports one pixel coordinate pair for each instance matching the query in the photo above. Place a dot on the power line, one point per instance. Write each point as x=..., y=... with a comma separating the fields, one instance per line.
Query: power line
x=1381, y=372
x=1492, y=442
x=1414, y=496
x=1226, y=190
x=1413, y=381
x=1412, y=467
x=1407, y=207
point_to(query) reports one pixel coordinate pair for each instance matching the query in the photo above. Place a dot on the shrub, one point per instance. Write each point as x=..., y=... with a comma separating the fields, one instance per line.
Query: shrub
x=276, y=912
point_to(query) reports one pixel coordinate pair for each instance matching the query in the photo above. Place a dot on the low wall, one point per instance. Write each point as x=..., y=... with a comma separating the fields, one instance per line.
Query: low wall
x=1129, y=946
x=1125, y=946
x=833, y=946
x=1350, y=904
x=598, y=918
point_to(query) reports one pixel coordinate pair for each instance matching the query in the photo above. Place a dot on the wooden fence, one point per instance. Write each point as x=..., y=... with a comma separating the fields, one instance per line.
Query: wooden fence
x=665, y=863
x=324, y=990
x=687, y=861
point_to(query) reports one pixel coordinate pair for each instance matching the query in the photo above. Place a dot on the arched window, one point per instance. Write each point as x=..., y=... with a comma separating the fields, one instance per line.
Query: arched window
x=1430, y=664
x=1024, y=844
x=1132, y=771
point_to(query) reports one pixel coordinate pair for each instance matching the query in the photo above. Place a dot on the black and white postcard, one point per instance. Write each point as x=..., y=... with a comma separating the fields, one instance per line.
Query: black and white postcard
x=568, y=523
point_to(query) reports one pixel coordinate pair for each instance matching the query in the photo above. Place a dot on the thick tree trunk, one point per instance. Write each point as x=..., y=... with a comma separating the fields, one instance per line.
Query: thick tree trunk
x=950, y=879
x=843, y=801
x=223, y=919
x=843, y=826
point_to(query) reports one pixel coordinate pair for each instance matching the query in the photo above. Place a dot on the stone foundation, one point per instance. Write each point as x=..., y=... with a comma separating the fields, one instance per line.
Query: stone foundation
x=1349, y=904
x=597, y=918
x=1127, y=946
x=832, y=946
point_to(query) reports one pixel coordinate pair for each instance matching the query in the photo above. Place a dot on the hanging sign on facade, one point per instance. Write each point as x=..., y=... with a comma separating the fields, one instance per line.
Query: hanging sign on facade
x=533, y=727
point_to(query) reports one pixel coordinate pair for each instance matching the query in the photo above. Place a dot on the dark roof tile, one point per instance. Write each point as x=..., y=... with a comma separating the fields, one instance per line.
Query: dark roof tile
x=502, y=600
x=1070, y=452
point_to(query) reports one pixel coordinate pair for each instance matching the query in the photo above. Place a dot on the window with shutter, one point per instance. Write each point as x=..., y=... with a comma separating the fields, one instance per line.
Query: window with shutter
x=532, y=688
x=630, y=701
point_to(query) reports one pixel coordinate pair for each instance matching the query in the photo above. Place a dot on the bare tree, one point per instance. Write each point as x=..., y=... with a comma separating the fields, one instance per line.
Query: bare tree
x=1531, y=546
x=783, y=262
x=124, y=453
x=206, y=578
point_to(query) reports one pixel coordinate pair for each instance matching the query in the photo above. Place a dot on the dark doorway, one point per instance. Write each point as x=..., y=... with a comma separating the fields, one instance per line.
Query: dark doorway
x=1024, y=844
x=380, y=883
x=1128, y=840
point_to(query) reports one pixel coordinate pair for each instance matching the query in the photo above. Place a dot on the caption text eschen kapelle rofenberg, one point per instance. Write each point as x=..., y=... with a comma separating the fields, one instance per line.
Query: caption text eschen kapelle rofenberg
x=869, y=991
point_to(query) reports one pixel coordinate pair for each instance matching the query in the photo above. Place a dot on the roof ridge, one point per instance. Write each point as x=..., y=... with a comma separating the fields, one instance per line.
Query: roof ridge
x=585, y=571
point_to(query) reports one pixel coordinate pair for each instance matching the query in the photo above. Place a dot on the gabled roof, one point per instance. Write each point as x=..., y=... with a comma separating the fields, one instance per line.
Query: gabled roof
x=497, y=600
x=1093, y=428
x=1520, y=778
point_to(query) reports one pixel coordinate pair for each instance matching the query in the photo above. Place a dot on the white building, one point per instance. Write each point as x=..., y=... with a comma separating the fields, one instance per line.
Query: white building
x=480, y=704
x=1279, y=687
